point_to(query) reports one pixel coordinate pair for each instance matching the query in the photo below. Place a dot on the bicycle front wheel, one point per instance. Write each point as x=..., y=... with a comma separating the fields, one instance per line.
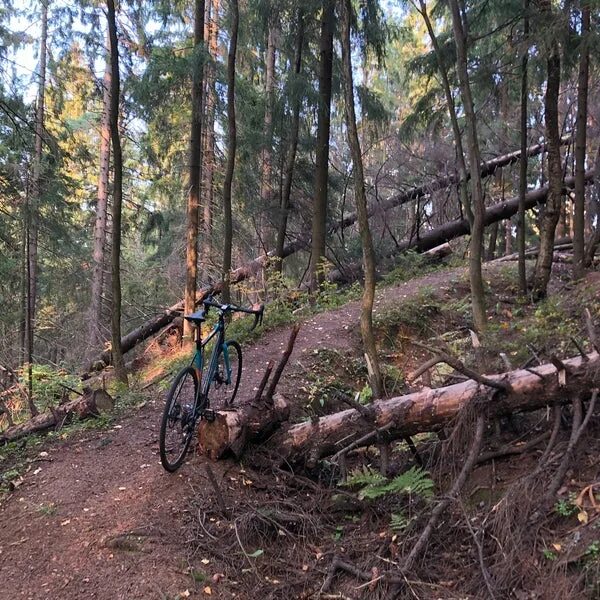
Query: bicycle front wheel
x=226, y=379
x=178, y=420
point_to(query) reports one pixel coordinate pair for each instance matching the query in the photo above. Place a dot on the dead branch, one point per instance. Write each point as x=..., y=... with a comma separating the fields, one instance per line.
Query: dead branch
x=282, y=363
x=443, y=504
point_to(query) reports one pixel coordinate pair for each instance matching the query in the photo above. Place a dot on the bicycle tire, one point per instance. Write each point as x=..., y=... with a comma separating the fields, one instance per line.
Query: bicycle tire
x=178, y=419
x=221, y=393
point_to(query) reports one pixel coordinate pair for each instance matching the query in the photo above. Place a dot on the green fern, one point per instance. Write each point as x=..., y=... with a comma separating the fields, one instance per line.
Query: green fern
x=373, y=485
x=399, y=521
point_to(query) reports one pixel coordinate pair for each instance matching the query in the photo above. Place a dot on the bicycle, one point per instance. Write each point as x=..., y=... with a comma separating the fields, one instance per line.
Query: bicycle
x=191, y=392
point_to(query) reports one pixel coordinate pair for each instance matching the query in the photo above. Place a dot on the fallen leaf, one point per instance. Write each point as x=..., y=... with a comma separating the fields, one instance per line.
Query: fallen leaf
x=185, y=594
x=205, y=561
x=582, y=516
x=66, y=522
x=207, y=590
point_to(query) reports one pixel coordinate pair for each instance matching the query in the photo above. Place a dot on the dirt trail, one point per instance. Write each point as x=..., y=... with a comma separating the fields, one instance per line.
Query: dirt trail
x=97, y=517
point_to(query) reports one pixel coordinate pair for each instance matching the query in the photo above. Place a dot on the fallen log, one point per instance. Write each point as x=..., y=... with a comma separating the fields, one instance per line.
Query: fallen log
x=449, y=231
x=430, y=409
x=488, y=168
x=93, y=403
x=232, y=430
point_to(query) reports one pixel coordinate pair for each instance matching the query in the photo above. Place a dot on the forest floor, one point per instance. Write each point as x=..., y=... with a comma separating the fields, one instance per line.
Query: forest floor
x=96, y=516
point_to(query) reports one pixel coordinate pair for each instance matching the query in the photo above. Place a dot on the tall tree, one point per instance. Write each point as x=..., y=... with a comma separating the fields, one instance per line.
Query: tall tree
x=477, y=202
x=266, y=183
x=319, y=217
x=98, y=256
x=543, y=266
x=115, y=94
x=523, y=158
x=195, y=168
x=211, y=28
x=366, y=315
x=580, y=144
x=456, y=130
x=290, y=160
x=231, y=149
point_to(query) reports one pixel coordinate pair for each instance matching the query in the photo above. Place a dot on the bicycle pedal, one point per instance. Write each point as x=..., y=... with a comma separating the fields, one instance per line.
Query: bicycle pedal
x=208, y=414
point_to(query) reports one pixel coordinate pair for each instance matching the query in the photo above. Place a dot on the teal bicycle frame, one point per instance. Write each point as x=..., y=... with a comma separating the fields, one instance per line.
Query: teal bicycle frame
x=198, y=360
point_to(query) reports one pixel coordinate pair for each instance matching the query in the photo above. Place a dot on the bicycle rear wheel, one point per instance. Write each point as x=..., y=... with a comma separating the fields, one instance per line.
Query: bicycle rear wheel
x=178, y=420
x=225, y=383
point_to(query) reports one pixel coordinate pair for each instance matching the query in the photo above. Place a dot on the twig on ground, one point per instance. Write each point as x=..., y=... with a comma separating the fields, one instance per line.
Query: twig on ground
x=484, y=571
x=511, y=449
x=218, y=494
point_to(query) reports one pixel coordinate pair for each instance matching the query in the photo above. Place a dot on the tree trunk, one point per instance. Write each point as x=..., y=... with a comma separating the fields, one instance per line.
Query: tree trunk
x=231, y=148
x=208, y=170
x=460, y=154
x=491, y=252
x=266, y=159
x=477, y=203
x=98, y=258
x=319, y=217
x=291, y=157
x=523, y=158
x=195, y=169
x=117, y=353
x=580, y=145
x=430, y=409
x=543, y=266
x=368, y=253
x=32, y=217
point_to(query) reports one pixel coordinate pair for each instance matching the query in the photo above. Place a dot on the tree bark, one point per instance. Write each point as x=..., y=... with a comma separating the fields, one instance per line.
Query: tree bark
x=195, y=168
x=523, y=158
x=291, y=156
x=543, y=266
x=98, y=257
x=208, y=171
x=231, y=149
x=477, y=203
x=360, y=196
x=430, y=409
x=319, y=217
x=117, y=352
x=580, y=145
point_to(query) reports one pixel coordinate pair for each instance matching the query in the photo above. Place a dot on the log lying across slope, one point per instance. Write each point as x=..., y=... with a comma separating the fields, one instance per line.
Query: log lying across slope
x=92, y=404
x=430, y=409
x=488, y=168
x=425, y=242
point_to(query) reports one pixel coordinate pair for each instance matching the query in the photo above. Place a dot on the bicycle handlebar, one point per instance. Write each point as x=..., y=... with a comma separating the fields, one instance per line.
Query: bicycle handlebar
x=257, y=312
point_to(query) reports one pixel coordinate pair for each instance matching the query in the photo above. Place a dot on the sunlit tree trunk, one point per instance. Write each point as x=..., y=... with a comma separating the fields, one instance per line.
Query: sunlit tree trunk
x=231, y=149
x=291, y=155
x=551, y=215
x=98, y=256
x=580, y=145
x=319, y=217
x=478, y=208
x=366, y=315
x=117, y=354
x=195, y=168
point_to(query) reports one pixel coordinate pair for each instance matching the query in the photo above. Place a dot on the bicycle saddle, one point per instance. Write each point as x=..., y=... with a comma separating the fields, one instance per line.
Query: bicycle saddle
x=197, y=317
